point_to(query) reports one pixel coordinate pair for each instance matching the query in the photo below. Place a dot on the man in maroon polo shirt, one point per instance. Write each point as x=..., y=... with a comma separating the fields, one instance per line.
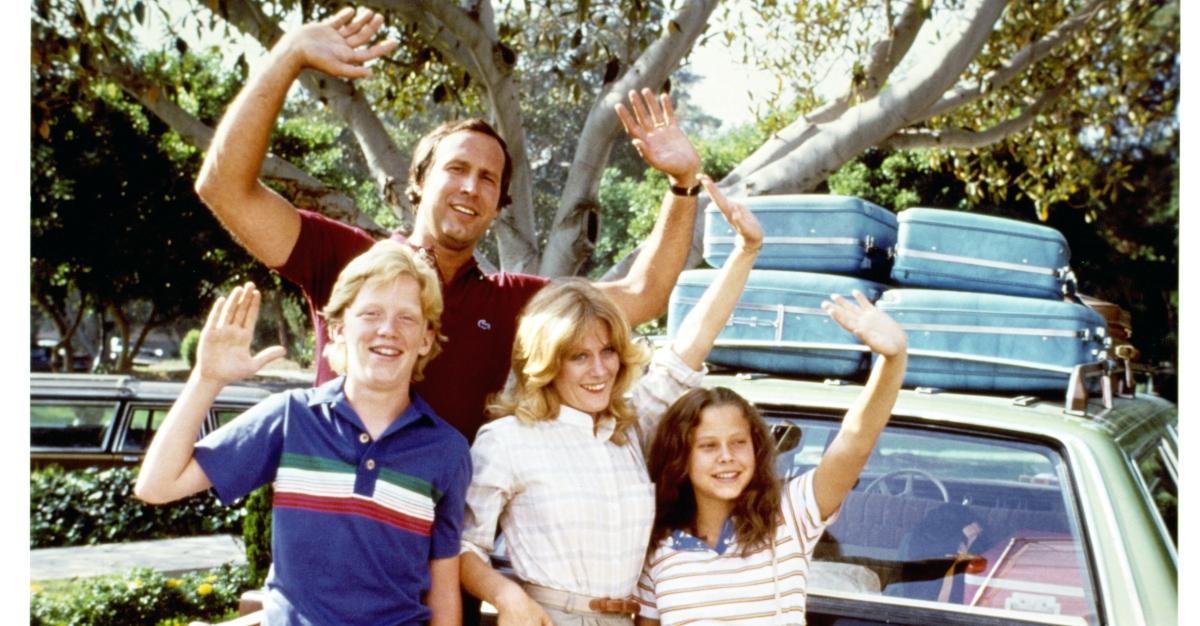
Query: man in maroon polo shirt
x=458, y=182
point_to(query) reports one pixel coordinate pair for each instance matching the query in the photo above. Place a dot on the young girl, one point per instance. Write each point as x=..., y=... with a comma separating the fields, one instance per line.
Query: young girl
x=728, y=543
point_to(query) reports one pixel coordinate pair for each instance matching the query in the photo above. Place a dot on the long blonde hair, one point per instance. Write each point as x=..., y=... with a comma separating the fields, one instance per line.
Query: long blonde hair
x=384, y=262
x=554, y=322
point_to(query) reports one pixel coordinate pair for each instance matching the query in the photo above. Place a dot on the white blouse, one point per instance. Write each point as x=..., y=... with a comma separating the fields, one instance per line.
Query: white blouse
x=575, y=508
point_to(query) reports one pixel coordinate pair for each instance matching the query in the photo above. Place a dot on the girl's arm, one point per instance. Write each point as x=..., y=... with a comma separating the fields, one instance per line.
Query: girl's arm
x=843, y=462
x=169, y=471
x=702, y=324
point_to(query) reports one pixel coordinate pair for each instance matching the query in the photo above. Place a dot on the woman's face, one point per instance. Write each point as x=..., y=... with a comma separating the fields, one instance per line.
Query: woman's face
x=721, y=461
x=588, y=372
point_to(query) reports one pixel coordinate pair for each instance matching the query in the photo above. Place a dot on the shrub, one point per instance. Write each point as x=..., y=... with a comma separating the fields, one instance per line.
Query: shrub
x=143, y=597
x=90, y=506
x=188, y=345
x=256, y=533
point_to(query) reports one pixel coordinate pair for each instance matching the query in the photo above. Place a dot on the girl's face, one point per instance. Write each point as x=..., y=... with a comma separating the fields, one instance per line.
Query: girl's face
x=588, y=372
x=721, y=462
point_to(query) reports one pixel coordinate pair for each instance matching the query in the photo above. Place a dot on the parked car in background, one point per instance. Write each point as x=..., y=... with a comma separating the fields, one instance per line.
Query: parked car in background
x=82, y=420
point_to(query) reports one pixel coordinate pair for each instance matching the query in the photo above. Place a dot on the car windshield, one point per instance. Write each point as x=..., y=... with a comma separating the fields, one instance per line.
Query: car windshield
x=979, y=522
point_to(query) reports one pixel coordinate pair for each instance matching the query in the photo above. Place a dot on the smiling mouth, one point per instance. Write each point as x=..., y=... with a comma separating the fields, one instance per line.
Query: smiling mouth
x=388, y=352
x=594, y=388
x=458, y=208
x=726, y=475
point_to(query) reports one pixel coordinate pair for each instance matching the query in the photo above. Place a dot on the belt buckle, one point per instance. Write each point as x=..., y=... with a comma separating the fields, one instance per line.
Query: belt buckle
x=613, y=605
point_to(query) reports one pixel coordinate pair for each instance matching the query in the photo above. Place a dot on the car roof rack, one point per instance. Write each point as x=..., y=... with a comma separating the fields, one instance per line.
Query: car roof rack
x=1110, y=378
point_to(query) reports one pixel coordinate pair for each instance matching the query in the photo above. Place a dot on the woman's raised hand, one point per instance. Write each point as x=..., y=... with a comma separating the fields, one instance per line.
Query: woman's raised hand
x=745, y=224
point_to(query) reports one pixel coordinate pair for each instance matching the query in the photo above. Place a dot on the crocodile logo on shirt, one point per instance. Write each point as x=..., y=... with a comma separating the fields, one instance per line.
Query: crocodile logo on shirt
x=483, y=324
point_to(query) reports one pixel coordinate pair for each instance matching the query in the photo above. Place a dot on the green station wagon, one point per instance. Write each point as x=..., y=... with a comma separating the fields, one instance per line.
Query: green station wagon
x=1075, y=499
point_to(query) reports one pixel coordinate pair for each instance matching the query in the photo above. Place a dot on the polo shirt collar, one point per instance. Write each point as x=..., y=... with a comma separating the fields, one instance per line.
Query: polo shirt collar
x=684, y=541
x=469, y=269
x=333, y=395
x=602, y=430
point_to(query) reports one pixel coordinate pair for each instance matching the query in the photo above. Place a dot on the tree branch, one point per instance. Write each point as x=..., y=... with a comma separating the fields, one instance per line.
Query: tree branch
x=1019, y=62
x=885, y=56
x=469, y=38
x=387, y=165
x=969, y=139
x=563, y=255
x=307, y=191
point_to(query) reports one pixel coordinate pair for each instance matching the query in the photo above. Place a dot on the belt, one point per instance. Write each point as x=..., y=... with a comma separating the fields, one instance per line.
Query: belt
x=579, y=603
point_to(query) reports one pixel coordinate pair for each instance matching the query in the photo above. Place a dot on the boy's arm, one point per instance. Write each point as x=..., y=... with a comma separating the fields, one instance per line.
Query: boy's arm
x=845, y=458
x=700, y=327
x=443, y=597
x=642, y=294
x=170, y=471
x=260, y=219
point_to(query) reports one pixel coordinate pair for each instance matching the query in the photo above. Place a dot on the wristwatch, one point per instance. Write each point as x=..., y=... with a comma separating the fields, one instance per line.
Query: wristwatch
x=694, y=190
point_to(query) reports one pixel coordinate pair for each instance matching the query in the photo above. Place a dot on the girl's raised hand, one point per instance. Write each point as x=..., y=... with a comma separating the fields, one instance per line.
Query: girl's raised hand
x=876, y=329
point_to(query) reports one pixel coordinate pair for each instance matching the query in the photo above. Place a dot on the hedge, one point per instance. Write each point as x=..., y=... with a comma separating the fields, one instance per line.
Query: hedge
x=143, y=597
x=91, y=506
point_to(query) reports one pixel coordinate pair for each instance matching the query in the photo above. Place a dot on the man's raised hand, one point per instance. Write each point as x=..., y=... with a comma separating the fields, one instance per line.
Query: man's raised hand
x=658, y=139
x=339, y=45
x=223, y=355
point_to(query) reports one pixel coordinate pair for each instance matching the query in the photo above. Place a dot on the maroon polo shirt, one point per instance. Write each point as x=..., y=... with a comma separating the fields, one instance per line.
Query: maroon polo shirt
x=479, y=318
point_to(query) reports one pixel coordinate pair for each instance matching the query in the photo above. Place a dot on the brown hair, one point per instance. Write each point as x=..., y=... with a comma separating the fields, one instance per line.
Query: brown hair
x=756, y=511
x=384, y=262
x=555, y=321
x=423, y=157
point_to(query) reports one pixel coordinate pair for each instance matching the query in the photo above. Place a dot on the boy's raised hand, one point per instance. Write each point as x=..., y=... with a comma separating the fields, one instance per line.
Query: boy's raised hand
x=223, y=354
x=873, y=327
x=745, y=224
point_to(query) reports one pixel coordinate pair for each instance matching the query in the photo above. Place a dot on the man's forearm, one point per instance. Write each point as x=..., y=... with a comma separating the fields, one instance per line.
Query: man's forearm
x=644, y=291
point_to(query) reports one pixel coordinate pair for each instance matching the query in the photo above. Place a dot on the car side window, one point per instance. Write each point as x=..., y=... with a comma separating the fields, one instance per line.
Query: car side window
x=1158, y=469
x=224, y=416
x=945, y=517
x=70, y=425
x=143, y=423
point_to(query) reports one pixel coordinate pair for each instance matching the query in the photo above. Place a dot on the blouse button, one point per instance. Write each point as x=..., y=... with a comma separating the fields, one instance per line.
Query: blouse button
x=370, y=464
x=364, y=438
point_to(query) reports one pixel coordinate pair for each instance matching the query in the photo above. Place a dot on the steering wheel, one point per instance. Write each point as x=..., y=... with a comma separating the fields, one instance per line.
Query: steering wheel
x=910, y=474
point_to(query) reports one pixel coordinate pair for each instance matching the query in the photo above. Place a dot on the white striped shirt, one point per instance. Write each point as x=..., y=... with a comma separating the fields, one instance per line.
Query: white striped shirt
x=703, y=587
x=575, y=508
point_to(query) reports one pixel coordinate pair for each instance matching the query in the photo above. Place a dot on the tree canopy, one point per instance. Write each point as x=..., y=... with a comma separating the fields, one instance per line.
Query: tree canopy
x=1038, y=106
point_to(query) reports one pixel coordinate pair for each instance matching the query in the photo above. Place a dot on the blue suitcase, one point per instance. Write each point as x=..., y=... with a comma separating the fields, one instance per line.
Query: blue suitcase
x=810, y=233
x=946, y=249
x=778, y=325
x=990, y=342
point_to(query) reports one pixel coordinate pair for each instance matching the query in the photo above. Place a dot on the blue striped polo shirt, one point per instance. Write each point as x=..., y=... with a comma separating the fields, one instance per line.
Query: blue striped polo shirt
x=355, y=521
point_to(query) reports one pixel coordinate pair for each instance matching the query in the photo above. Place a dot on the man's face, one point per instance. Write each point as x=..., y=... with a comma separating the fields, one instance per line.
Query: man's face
x=461, y=193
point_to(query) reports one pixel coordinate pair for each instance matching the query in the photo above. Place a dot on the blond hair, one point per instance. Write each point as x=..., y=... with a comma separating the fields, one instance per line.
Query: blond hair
x=554, y=322
x=384, y=262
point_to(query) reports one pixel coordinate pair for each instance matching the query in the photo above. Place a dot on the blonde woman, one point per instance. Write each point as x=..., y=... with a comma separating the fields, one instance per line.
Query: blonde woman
x=369, y=481
x=562, y=472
